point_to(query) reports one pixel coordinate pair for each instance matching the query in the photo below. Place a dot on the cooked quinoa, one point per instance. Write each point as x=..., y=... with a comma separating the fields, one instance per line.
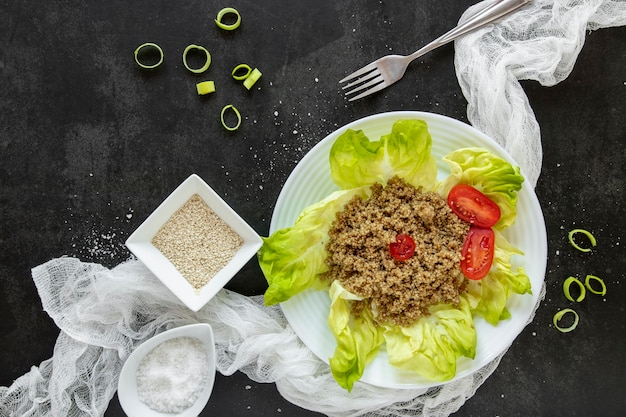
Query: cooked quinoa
x=400, y=292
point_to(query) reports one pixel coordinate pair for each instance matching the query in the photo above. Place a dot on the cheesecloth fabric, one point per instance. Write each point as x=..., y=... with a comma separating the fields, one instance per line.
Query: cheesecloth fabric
x=540, y=42
x=105, y=313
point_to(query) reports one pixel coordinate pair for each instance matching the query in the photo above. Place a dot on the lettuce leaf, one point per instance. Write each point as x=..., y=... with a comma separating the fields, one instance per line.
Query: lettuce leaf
x=358, y=337
x=492, y=175
x=489, y=295
x=431, y=346
x=356, y=161
x=293, y=257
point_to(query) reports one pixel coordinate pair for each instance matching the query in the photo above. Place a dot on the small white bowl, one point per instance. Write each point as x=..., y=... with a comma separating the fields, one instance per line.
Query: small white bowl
x=140, y=243
x=127, y=384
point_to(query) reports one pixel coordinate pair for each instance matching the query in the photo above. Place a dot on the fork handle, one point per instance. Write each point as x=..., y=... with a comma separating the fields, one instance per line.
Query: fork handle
x=485, y=16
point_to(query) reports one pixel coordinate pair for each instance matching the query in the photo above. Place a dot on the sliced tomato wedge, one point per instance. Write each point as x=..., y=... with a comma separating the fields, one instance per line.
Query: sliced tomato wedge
x=472, y=206
x=477, y=252
x=403, y=248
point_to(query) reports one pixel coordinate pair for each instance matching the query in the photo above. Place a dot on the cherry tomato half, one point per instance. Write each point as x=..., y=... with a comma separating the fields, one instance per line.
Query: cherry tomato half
x=472, y=206
x=477, y=252
x=403, y=248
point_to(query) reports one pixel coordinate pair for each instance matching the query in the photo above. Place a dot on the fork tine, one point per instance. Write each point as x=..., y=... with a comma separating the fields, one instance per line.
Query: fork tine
x=370, y=83
x=361, y=80
x=369, y=67
x=368, y=92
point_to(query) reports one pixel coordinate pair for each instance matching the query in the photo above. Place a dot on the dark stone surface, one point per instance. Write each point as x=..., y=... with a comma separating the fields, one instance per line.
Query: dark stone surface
x=90, y=145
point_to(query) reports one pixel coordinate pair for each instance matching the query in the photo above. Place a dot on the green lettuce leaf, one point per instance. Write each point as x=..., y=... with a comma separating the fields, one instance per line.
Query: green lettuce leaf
x=431, y=346
x=356, y=161
x=358, y=337
x=492, y=175
x=489, y=295
x=293, y=257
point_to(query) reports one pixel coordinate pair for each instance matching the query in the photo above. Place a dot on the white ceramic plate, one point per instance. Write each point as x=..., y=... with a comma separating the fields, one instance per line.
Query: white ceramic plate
x=127, y=384
x=310, y=181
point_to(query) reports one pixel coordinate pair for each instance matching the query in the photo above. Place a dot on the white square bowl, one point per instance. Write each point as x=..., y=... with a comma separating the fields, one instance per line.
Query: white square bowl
x=140, y=243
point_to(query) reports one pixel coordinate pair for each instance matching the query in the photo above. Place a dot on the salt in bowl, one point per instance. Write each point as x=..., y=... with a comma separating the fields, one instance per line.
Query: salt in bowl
x=127, y=384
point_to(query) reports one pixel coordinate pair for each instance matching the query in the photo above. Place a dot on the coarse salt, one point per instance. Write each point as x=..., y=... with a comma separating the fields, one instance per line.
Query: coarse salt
x=171, y=377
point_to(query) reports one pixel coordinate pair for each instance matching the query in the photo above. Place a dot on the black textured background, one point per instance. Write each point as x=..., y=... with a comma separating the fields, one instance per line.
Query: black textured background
x=90, y=145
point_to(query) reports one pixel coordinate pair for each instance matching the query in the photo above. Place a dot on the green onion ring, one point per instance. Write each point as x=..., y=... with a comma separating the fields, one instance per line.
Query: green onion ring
x=205, y=87
x=588, y=279
x=566, y=285
x=149, y=45
x=224, y=12
x=591, y=238
x=234, y=109
x=206, y=64
x=559, y=315
x=252, y=78
x=238, y=68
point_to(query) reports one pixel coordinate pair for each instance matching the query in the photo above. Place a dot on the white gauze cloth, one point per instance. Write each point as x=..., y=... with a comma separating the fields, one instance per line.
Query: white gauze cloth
x=105, y=314
x=540, y=42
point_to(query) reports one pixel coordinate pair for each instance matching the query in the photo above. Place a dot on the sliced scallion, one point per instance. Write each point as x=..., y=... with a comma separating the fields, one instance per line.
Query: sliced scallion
x=148, y=46
x=559, y=315
x=252, y=78
x=588, y=280
x=241, y=72
x=566, y=289
x=592, y=239
x=224, y=12
x=207, y=63
x=223, y=117
x=205, y=87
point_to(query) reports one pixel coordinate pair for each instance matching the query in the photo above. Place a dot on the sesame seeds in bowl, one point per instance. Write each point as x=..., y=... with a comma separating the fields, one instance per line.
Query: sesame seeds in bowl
x=194, y=242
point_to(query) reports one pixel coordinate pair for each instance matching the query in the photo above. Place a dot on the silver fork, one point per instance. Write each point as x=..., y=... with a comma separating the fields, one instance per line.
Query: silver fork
x=387, y=70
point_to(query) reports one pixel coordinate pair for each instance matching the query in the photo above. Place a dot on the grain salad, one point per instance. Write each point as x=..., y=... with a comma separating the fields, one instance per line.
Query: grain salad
x=400, y=292
x=197, y=241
